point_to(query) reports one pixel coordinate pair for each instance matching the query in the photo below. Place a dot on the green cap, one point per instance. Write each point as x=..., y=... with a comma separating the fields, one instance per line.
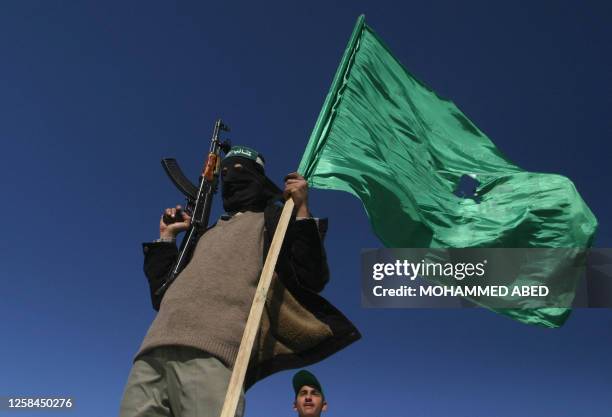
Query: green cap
x=246, y=152
x=304, y=377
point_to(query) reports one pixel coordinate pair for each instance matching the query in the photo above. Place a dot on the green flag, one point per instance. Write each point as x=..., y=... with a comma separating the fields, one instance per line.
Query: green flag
x=388, y=139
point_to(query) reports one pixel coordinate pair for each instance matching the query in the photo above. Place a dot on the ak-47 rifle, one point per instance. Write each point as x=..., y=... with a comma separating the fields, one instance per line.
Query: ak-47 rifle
x=199, y=199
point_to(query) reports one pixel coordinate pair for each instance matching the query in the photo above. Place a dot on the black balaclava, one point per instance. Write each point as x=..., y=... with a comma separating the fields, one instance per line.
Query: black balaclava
x=246, y=188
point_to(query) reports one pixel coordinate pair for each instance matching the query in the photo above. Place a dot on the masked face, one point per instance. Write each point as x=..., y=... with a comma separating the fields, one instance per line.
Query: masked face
x=243, y=185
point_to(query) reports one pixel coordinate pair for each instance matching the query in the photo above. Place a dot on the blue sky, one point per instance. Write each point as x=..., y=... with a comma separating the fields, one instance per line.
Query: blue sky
x=94, y=94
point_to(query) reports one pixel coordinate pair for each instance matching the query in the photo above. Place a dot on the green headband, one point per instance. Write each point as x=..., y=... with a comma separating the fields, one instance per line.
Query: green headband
x=246, y=152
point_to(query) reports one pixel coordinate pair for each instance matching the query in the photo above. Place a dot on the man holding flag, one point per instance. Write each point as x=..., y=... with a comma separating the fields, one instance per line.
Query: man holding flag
x=186, y=359
x=391, y=141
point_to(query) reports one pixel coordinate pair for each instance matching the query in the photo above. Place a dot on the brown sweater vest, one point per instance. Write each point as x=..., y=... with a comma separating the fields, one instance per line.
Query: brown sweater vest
x=208, y=304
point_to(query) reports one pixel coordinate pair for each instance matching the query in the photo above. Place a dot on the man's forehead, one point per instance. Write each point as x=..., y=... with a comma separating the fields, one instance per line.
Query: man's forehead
x=245, y=162
x=308, y=387
x=234, y=163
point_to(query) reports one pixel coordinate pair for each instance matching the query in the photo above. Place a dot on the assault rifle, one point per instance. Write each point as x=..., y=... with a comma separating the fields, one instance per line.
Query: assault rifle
x=199, y=199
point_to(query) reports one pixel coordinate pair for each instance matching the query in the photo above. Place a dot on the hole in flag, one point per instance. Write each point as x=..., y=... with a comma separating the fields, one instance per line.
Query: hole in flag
x=466, y=188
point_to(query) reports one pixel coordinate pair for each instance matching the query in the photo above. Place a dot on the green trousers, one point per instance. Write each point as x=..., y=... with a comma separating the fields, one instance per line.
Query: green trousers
x=177, y=381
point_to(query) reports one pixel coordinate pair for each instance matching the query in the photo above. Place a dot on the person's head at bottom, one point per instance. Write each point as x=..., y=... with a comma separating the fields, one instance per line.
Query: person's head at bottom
x=309, y=397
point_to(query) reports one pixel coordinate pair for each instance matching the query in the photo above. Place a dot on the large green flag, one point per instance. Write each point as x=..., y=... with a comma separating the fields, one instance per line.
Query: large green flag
x=387, y=138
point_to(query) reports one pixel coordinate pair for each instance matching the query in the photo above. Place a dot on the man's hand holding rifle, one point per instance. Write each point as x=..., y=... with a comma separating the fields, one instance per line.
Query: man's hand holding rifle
x=172, y=222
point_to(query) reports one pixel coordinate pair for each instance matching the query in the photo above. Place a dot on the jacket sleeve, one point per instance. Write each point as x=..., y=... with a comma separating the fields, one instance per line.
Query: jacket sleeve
x=158, y=260
x=302, y=256
x=306, y=253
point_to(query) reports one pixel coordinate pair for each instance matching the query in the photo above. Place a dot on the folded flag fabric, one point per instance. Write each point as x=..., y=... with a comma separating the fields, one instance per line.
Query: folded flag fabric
x=391, y=141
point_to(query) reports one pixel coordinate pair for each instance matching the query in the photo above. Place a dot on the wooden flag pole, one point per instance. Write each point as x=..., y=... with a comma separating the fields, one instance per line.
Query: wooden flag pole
x=252, y=325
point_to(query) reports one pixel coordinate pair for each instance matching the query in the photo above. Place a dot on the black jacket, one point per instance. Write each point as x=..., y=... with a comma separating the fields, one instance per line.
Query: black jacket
x=298, y=326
